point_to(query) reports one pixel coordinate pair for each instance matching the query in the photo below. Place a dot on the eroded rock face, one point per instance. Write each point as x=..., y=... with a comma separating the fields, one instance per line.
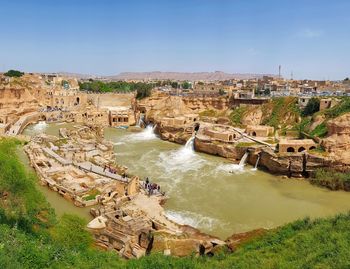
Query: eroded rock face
x=219, y=149
x=339, y=125
x=338, y=140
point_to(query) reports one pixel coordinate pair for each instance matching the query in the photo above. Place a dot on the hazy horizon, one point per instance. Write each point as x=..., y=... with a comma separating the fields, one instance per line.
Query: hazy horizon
x=310, y=39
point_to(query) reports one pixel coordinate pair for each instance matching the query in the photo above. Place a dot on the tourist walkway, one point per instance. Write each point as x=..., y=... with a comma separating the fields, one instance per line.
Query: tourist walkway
x=88, y=166
x=252, y=138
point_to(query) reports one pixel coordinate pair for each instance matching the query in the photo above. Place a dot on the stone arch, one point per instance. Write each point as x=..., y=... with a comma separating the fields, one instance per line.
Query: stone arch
x=290, y=149
x=253, y=133
x=77, y=101
x=230, y=137
x=301, y=149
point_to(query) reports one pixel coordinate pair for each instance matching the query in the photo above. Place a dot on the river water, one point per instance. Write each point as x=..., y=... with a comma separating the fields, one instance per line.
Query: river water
x=203, y=193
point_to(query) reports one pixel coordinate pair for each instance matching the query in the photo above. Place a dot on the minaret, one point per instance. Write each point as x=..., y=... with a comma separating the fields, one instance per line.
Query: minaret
x=279, y=71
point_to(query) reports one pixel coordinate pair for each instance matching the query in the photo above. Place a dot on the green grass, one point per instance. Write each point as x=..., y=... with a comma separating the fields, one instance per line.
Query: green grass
x=236, y=115
x=281, y=112
x=32, y=237
x=331, y=179
x=246, y=144
x=341, y=108
x=320, y=130
x=91, y=195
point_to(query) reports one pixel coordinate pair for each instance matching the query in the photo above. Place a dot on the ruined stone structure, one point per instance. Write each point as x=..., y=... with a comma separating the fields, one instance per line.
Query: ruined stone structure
x=259, y=130
x=295, y=145
x=121, y=117
x=79, y=167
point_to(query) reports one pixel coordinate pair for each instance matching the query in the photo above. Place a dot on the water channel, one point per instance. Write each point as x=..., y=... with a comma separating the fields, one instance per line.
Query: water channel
x=203, y=193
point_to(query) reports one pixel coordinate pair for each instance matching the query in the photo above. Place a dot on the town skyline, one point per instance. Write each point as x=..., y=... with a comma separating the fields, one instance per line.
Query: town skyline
x=108, y=38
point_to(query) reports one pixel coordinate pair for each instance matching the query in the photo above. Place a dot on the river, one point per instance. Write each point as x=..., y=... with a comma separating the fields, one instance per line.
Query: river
x=203, y=193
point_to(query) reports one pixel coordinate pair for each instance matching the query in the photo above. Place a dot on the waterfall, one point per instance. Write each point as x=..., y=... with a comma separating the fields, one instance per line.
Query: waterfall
x=257, y=162
x=243, y=160
x=190, y=143
x=141, y=122
x=145, y=134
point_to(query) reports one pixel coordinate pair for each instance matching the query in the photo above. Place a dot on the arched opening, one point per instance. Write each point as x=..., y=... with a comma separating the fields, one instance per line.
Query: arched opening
x=196, y=127
x=312, y=147
x=290, y=149
x=230, y=137
x=301, y=149
x=234, y=135
x=77, y=101
x=253, y=133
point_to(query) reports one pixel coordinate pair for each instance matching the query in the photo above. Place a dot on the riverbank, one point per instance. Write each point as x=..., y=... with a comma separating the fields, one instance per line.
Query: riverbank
x=202, y=193
x=63, y=243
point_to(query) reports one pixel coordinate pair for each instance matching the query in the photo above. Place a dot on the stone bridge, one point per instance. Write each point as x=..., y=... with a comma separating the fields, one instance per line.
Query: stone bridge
x=22, y=122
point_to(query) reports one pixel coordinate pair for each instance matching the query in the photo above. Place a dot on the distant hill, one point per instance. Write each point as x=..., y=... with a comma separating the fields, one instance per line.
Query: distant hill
x=206, y=76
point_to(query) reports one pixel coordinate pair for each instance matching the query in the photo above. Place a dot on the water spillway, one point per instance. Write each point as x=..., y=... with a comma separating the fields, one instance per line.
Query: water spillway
x=203, y=193
x=243, y=160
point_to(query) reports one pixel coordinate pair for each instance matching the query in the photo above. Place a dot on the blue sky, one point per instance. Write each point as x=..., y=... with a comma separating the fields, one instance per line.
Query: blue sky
x=309, y=37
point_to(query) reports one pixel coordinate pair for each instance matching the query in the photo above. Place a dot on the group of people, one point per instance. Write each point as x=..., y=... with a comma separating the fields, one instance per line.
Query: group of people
x=110, y=169
x=152, y=188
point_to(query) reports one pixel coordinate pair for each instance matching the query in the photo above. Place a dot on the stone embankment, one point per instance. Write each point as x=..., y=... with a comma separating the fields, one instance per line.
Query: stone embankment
x=294, y=165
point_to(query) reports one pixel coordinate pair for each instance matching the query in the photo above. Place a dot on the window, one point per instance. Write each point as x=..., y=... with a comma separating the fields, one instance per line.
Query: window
x=290, y=149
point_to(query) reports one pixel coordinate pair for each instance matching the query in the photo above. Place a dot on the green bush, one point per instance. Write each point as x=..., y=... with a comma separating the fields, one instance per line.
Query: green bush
x=320, y=130
x=339, y=109
x=14, y=73
x=331, y=179
x=237, y=114
x=312, y=107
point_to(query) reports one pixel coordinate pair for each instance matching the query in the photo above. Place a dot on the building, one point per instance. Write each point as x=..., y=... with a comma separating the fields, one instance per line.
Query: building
x=296, y=145
x=259, y=130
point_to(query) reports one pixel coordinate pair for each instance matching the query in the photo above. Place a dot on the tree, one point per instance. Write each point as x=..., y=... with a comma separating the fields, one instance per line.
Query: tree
x=186, y=85
x=312, y=107
x=222, y=92
x=174, y=84
x=14, y=73
x=267, y=91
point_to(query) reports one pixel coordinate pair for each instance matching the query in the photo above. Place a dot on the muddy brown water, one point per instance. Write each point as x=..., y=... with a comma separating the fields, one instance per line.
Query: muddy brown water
x=208, y=192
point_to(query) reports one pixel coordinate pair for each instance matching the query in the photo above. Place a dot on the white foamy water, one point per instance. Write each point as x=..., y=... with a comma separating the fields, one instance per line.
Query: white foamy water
x=191, y=218
x=231, y=168
x=146, y=134
x=183, y=160
x=40, y=126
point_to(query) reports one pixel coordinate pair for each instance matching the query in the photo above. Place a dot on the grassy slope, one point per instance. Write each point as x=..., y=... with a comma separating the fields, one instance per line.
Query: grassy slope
x=51, y=243
x=279, y=113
